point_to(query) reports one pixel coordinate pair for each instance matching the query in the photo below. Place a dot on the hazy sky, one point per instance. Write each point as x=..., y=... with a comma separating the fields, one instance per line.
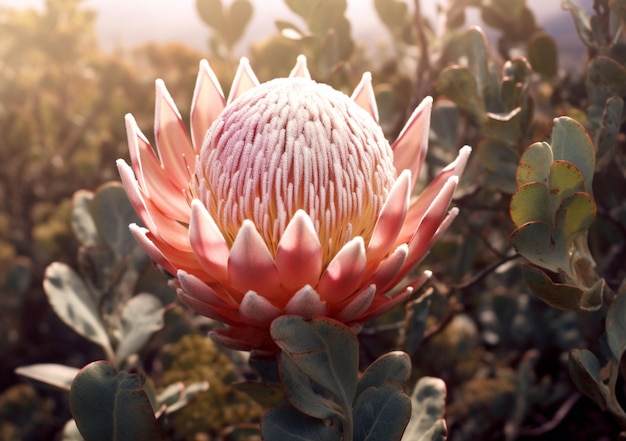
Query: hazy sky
x=129, y=22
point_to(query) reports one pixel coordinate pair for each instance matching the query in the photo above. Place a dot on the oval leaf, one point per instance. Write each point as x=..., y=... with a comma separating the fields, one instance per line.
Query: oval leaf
x=112, y=406
x=530, y=203
x=565, y=179
x=534, y=165
x=616, y=326
x=392, y=367
x=584, y=368
x=286, y=423
x=74, y=304
x=301, y=394
x=142, y=316
x=570, y=142
x=381, y=414
x=575, y=215
x=325, y=350
x=428, y=401
x=112, y=214
x=57, y=375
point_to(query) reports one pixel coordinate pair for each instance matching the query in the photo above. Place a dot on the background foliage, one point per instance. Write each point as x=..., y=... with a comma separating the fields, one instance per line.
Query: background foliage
x=527, y=351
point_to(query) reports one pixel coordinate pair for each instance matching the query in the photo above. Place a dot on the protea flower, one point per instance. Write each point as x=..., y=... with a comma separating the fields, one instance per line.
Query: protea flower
x=286, y=198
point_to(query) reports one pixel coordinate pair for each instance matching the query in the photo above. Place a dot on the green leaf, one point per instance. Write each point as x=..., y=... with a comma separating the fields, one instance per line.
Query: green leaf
x=616, y=326
x=608, y=74
x=460, y=85
x=237, y=19
x=559, y=295
x=82, y=223
x=534, y=165
x=565, y=179
x=428, y=400
x=112, y=406
x=326, y=15
x=530, y=203
x=501, y=160
x=477, y=55
x=392, y=13
x=506, y=126
x=392, y=367
x=211, y=12
x=416, y=321
x=581, y=20
x=74, y=304
x=584, y=368
x=325, y=350
x=381, y=414
x=142, y=316
x=543, y=247
x=57, y=375
x=112, y=214
x=287, y=424
x=571, y=142
x=543, y=54
x=575, y=215
x=302, y=395
x=609, y=128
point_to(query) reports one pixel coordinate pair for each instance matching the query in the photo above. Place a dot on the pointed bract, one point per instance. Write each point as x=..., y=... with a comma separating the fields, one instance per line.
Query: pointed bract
x=207, y=103
x=245, y=79
x=364, y=95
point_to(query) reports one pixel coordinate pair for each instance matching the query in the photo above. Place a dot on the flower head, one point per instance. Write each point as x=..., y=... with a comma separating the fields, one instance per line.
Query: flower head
x=285, y=199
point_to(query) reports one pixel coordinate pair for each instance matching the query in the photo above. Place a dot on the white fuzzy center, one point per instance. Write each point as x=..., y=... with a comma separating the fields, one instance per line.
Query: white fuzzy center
x=292, y=144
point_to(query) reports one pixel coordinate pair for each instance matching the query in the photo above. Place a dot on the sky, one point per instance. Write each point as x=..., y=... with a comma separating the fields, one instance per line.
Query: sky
x=127, y=23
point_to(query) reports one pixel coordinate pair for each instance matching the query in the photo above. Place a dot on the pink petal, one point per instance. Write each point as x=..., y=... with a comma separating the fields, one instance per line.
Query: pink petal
x=418, y=207
x=344, y=273
x=135, y=197
x=409, y=150
x=390, y=219
x=300, y=70
x=141, y=235
x=364, y=96
x=153, y=179
x=208, y=102
x=244, y=80
x=174, y=258
x=389, y=269
x=163, y=227
x=422, y=240
x=208, y=243
x=257, y=310
x=358, y=305
x=173, y=144
x=198, y=289
x=306, y=303
x=299, y=253
x=223, y=315
x=383, y=304
x=244, y=339
x=251, y=266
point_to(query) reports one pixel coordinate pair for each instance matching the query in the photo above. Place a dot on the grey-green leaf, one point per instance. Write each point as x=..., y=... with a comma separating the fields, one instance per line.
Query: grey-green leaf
x=324, y=349
x=392, y=367
x=57, y=375
x=287, y=424
x=428, y=399
x=141, y=317
x=112, y=406
x=381, y=414
x=584, y=368
x=74, y=304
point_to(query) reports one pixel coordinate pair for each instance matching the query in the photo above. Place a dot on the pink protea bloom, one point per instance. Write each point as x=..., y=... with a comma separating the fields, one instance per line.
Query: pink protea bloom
x=285, y=199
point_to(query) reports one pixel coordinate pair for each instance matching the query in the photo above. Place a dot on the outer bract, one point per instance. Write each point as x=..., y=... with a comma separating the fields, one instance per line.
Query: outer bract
x=285, y=199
